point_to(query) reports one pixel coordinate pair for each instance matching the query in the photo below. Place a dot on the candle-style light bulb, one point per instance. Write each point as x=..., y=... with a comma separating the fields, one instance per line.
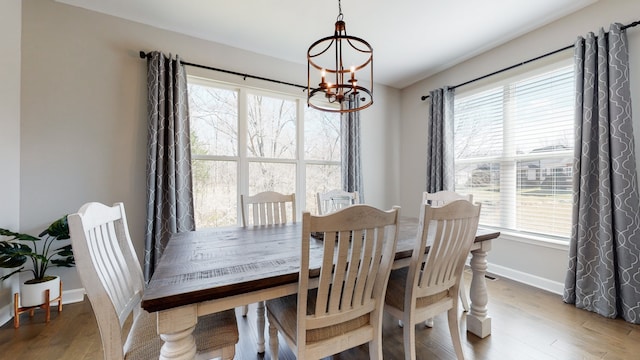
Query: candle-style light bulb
x=323, y=75
x=353, y=78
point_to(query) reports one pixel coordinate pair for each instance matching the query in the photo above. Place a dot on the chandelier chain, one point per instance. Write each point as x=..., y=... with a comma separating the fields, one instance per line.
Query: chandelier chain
x=340, y=16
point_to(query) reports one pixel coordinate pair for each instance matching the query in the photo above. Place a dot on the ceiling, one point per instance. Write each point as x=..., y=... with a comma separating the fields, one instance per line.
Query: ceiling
x=412, y=39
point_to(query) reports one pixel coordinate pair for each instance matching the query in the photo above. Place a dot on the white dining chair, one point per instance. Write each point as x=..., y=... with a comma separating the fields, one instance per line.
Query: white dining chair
x=440, y=198
x=266, y=208
x=339, y=303
x=430, y=285
x=444, y=197
x=112, y=278
x=335, y=199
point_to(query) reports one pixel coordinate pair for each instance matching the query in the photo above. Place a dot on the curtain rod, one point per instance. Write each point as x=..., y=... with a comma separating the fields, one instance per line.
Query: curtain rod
x=143, y=55
x=425, y=97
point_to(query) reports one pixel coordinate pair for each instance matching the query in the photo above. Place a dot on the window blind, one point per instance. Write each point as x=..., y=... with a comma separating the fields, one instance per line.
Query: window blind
x=514, y=151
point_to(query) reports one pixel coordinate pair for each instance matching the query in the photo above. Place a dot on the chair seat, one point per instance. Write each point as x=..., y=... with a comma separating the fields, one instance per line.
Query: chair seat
x=212, y=332
x=396, y=291
x=285, y=311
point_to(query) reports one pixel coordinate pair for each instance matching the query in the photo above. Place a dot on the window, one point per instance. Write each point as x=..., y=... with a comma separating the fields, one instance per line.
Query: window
x=514, y=151
x=244, y=141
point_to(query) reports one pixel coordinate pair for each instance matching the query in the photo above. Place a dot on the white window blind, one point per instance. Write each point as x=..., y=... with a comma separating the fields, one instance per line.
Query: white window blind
x=514, y=152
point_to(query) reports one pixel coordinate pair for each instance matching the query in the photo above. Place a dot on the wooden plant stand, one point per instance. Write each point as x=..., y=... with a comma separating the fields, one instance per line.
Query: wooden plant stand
x=31, y=309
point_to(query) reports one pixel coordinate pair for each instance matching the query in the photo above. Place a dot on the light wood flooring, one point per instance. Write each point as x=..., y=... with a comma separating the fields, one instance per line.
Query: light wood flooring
x=527, y=324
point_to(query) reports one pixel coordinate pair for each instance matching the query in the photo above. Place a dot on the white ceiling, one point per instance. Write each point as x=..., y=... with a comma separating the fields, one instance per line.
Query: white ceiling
x=411, y=39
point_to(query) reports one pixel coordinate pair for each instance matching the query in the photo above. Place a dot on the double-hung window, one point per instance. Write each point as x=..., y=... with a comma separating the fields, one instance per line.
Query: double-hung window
x=245, y=141
x=514, y=149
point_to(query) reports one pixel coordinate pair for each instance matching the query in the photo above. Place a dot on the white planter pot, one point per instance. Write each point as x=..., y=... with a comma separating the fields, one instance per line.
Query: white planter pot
x=34, y=294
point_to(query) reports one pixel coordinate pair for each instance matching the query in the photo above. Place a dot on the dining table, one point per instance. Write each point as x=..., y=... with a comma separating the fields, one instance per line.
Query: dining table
x=210, y=270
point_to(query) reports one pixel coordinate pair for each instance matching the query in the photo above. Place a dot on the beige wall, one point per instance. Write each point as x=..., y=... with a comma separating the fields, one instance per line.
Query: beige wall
x=533, y=262
x=84, y=113
x=9, y=133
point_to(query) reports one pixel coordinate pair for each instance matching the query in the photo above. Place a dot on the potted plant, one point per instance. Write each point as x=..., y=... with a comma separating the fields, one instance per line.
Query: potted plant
x=19, y=248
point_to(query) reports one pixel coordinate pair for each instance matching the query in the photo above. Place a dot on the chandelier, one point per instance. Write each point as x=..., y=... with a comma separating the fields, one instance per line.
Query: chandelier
x=336, y=64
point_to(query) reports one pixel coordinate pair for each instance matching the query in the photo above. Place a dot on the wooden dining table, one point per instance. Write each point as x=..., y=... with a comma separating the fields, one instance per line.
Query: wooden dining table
x=211, y=270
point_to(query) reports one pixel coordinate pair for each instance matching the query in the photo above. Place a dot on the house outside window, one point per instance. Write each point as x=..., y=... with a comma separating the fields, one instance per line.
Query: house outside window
x=245, y=141
x=514, y=151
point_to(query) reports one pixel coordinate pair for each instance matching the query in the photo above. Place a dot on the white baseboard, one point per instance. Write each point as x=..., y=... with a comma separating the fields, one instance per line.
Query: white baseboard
x=73, y=296
x=6, y=313
x=525, y=278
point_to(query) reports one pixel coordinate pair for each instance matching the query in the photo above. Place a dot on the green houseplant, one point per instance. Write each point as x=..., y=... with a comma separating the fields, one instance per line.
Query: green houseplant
x=19, y=248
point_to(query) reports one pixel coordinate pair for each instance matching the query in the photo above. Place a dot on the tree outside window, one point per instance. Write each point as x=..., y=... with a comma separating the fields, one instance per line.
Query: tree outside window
x=265, y=155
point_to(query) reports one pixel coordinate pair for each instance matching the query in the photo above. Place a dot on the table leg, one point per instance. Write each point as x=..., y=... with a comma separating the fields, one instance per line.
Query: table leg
x=478, y=322
x=260, y=326
x=176, y=327
x=180, y=345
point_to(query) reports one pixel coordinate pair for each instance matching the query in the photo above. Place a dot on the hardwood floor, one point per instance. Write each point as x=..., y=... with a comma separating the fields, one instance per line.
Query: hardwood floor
x=527, y=324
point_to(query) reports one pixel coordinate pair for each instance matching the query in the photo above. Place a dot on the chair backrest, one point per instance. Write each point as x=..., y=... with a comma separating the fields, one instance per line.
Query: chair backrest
x=333, y=200
x=354, y=272
x=268, y=208
x=449, y=231
x=108, y=268
x=443, y=197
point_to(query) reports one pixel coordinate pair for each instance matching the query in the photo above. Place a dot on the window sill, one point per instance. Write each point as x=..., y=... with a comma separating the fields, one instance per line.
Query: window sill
x=531, y=239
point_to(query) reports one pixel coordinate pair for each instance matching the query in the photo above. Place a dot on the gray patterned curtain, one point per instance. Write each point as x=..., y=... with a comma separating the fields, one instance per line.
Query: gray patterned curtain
x=169, y=190
x=604, y=254
x=350, y=150
x=440, y=168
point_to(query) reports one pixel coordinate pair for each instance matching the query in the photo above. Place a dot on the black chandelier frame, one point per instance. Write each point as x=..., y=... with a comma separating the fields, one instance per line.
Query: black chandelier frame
x=338, y=84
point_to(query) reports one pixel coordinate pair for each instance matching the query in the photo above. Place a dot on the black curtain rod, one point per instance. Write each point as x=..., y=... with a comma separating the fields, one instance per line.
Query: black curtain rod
x=143, y=55
x=425, y=97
